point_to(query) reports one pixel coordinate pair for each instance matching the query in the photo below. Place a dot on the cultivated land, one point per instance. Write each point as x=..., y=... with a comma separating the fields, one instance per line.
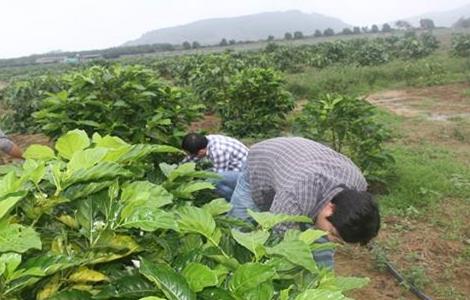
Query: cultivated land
x=425, y=231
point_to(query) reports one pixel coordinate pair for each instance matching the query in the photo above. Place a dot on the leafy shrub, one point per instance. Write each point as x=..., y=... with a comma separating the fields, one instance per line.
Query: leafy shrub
x=80, y=222
x=349, y=126
x=22, y=98
x=257, y=103
x=371, y=54
x=128, y=101
x=461, y=45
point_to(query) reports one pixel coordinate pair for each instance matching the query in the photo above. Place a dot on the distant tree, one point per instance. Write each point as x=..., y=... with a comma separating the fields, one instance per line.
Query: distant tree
x=232, y=42
x=386, y=28
x=329, y=32
x=426, y=24
x=356, y=30
x=196, y=45
x=347, y=31
x=223, y=42
x=462, y=23
x=288, y=36
x=317, y=33
x=365, y=29
x=374, y=29
x=298, y=35
x=186, y=45
x=403, y=25
x=270, y=38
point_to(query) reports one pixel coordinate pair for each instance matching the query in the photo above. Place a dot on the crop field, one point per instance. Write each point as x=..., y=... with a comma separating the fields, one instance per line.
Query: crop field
x=100, y=208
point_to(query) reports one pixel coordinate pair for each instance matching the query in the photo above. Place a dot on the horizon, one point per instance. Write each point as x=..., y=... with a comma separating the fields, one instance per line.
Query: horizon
x=87, y=25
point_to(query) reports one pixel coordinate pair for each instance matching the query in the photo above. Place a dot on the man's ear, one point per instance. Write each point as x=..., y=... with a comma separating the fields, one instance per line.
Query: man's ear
x=201, y=152
x=329, y=209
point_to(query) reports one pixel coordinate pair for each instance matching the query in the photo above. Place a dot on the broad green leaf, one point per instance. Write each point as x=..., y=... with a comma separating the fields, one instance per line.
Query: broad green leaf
x=34, y=170
x=84, y=274
x=144, y=192
x=9, y=261
x=268, y=220
x=39, y=152
x=9, y=184
x=109, y=142
x=264, y=291
x=186, y=190
x=297, y=252
x=284, y=295
x=215, y=293
x=82, y=190
x=127, y=287
x=18, y=238
x=199, y=276
x=151, y=298
x=172, y=284
x=249, y=276
x=8, y=203
x=311, y=235
x=319, y=294
x=253, y=241
x=217, y=207
x=150, y=219
x=181, y=171
x=101, y=171
x=119, y=242
x=196, y=220
x=86, y=159
x=342, y=283
x=71, y=142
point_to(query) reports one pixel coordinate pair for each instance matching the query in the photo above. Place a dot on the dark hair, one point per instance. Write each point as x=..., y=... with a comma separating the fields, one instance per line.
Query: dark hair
x=193, y=142
x=356, y=216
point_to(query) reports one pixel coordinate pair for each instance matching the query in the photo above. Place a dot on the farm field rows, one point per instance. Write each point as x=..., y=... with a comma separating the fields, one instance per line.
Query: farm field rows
x=102, y=202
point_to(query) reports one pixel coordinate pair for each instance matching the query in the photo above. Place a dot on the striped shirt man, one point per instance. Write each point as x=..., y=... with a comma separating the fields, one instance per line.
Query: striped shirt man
x=297, y=176
x=225, y=153
x=5, y=144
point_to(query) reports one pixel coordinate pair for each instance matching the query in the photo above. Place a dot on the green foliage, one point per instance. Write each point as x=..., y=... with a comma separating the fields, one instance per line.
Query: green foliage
x=461, y=45
x=115, y=235
x=129, y=102
x=257, y=103
x=22, y=98
x=348, y=125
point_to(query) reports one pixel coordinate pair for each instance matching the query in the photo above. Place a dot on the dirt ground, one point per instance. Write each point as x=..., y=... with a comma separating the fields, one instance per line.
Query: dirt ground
x=434, y=249
x=24, y=141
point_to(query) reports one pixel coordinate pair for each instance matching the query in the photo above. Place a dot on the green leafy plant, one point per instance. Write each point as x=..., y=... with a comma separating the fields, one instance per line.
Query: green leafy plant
x=349, y=126
x=257, y=103
x=127, y=101
x=80, y=221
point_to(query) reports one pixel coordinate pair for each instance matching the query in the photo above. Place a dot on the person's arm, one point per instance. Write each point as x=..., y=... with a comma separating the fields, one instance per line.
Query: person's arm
x=190, y=158
x=10, y=148
x=324, y=258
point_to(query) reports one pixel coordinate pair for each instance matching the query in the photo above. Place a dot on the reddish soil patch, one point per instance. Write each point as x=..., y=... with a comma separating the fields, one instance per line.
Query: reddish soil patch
x=436, y=103
x=209, y=123
x=439, y=249
x=24, y=141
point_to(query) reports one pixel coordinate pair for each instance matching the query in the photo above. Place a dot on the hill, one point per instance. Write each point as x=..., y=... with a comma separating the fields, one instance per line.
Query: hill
x=249, y=27
x=443, y=18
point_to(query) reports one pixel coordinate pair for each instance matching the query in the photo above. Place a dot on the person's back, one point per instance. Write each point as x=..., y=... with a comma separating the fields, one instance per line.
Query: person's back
x=311, y=173
x=10, y=148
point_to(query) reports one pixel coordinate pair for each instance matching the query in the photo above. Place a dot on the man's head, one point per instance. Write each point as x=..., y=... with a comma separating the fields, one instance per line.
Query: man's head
x=195, y=144
x=350, y=216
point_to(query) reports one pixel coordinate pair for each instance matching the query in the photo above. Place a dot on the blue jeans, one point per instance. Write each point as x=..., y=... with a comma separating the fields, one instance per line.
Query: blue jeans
x=241, y=199
x=225, y=186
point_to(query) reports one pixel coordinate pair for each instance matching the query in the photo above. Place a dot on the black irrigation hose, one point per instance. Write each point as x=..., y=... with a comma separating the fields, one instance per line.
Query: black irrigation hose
x=401, y=279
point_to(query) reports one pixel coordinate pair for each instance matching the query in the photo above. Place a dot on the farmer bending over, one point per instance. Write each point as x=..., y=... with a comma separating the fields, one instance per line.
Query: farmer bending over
x=297, y=176
x=226, y=154
x=10, y=148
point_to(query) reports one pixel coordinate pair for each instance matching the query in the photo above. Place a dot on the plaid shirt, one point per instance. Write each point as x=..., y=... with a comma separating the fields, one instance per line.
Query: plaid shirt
x=225, y=153
x=5, y=143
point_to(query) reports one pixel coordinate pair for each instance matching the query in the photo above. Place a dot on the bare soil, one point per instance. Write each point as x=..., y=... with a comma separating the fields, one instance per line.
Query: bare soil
x=435, y=246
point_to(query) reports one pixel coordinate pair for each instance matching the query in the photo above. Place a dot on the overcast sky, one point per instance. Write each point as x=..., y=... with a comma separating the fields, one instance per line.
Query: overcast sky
x=38, y=26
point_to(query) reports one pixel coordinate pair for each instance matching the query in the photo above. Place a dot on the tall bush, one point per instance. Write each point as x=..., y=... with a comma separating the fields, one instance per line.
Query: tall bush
x=257, y=103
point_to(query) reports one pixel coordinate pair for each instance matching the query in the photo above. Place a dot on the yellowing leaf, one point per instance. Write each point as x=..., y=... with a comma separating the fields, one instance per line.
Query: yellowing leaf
x=87, y=275
x=50, y=289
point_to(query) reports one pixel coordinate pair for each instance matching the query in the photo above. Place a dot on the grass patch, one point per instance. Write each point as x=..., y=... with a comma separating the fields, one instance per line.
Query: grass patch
x=434, y=70
x=423, y=175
